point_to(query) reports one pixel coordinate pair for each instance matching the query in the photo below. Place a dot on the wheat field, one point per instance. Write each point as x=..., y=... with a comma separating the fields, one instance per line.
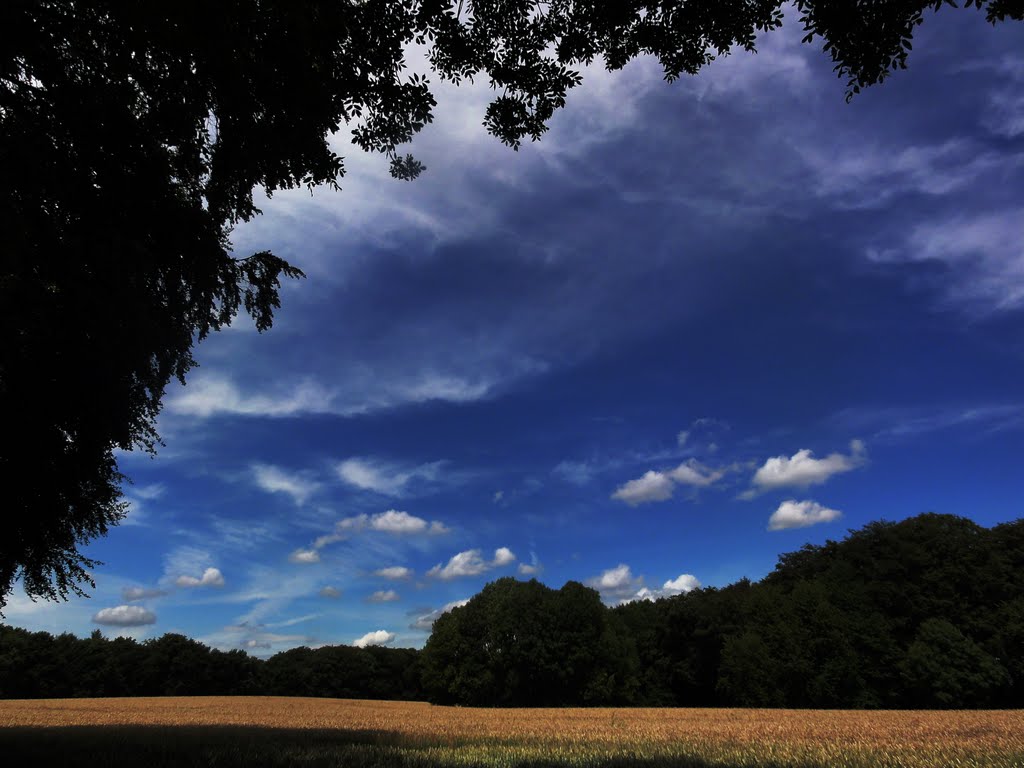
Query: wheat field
x=291, y=731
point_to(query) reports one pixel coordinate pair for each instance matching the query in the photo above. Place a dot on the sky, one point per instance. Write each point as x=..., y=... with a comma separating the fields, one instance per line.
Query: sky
x=698, y=325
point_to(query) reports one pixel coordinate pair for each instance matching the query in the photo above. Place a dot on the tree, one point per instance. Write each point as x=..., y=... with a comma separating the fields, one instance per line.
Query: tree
x=132, y=135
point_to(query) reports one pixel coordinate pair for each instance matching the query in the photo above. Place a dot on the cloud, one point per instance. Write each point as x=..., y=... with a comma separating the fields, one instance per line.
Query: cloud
x=617, y=583
x=211, y=577
x=653, y=486
x=424, y=621
x=683, y=583
x=392, y=521
x=800, y=514
x=803, y=470
x=694, y=473
x=379, y=637
x=331, y=593
x=575, y=472
x=207, y=396
x=132, y=594
x=383, y=596
x=125, y=616
x=498, y=496
x=275, y=480
x=304, y=556
x=503, y=556
x=682, y=437
x=471, y=563
x=387, y=479
x=533, y=568
x=395, y=572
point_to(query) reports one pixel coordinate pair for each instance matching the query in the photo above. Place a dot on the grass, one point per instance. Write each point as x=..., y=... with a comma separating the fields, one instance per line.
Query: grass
x=262, y=731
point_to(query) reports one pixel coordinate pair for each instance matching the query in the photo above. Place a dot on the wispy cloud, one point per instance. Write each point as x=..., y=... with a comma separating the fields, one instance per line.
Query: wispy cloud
x=386, y=478
x=395, y=572
x=424, y=620
x=383, y=596
x=299, y=486
x=133, y=594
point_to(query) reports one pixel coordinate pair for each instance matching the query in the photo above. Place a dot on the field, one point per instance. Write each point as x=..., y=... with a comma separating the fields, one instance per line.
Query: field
x=259, y=731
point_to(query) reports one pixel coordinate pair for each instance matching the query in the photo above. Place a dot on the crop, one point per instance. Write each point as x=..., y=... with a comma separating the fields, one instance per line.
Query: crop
x=286, y=731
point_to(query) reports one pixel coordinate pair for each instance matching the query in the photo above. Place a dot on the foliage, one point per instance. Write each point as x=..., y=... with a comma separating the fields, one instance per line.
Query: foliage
x=132, y=136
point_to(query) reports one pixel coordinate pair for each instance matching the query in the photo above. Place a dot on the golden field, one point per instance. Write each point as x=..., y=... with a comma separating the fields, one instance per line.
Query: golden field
x=404, y=733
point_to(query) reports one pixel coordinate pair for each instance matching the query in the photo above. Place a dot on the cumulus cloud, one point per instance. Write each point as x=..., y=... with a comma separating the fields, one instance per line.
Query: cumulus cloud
x=396, y=572
x=685, y=582
x=383, y=596
x=617, y=583
x=331, y=593
x=304, y=556
x=392, y=521
x=276, y=480
x=653, y=486
x=802, y=469
x=132, y=594
x=471, y=563
x=125, y=616
x=212, y=577
x=379, y=637
x=800, y=514
x=387, y=479
x=424, y=621
x=503, y=556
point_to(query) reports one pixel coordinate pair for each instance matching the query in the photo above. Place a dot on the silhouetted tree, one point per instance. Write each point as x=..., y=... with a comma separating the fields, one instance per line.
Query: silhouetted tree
x=132, y=135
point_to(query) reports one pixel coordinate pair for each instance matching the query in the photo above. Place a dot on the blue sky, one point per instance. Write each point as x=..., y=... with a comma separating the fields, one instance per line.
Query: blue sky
x=698, y=325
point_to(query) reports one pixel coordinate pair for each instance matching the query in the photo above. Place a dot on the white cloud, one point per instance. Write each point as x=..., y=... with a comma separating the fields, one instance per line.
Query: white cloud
x=275, y=480
x=468, y=563
x=395, y=572
x=383, y=596
x=379, y=637
x=682, y=437
x=305, y=556
x=425, y=621
x=532, y=568
x=694, y=473
x=498, y=496
x=125, y=616
x=211, y=577
x=503, y=556
x=131, y=594
x=802, y=469
x=207, y=396
x=471, y=563
x=332, y=593
x=800, y=514
x=683, y=583
x=617, y=583
x=653, y=486
x=392, y=521
x=388, y=479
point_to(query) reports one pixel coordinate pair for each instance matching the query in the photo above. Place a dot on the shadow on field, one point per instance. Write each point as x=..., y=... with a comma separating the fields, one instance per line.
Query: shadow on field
x=123, y=746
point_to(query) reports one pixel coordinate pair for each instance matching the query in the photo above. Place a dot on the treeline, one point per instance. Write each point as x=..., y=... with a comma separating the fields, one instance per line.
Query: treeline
x=925, y=613
x=39, y=665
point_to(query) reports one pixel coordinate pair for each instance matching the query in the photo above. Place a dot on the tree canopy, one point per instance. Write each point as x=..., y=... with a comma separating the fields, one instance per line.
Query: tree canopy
x=133, y=135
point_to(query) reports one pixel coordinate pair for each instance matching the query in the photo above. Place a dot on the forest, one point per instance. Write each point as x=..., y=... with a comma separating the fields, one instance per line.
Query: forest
x=923, y=613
